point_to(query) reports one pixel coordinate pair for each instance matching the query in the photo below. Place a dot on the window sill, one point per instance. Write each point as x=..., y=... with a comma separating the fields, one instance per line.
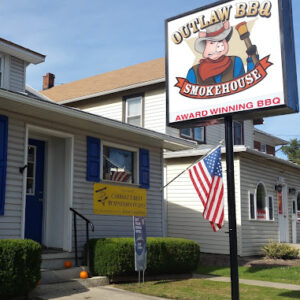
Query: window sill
x=261, y=221
x=105, y=181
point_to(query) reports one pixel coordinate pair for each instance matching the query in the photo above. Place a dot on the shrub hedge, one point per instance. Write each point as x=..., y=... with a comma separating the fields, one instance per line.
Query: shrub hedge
x=19, y=267
x=115, y=256
x=280, y=251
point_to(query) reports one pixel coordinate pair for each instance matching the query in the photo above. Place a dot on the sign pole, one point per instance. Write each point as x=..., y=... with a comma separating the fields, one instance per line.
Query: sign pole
x=231, y=209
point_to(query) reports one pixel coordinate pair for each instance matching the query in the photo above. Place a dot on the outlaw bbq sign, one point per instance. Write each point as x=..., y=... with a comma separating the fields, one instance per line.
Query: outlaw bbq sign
x=230, y=58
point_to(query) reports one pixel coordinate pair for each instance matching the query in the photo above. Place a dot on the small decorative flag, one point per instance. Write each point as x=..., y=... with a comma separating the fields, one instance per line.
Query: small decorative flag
x=206, y=176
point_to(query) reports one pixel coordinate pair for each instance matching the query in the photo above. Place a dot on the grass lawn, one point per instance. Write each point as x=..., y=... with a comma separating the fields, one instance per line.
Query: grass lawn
x=193, y=289
x=275, y=274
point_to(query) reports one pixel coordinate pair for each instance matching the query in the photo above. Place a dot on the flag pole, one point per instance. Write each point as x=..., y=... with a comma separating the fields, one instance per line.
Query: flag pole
x=198, y=159
x=231, y=208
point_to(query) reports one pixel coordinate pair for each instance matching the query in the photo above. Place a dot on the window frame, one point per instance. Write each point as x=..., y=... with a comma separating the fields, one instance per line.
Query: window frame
x=192, y=136
x=135, y=163
x=234, y=132
x=298, y=207
x=267, y=197
x=125, y=100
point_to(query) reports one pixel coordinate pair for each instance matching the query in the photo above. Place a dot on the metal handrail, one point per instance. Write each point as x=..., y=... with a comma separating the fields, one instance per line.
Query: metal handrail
x=87, y=222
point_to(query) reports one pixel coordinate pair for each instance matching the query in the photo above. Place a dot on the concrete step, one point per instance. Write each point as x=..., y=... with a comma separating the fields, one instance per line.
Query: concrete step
x=61, y=275
x=57, y=260
x=61, y=289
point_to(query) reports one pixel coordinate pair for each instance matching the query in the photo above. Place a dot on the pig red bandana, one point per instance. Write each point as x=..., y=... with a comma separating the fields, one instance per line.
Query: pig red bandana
x=209, y=67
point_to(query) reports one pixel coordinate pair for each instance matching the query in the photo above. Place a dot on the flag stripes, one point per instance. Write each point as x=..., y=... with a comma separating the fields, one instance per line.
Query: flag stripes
x=206, y=176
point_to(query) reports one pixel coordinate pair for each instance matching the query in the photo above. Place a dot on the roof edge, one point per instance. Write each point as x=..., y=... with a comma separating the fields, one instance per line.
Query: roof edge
x=107, y=92
x=169, y=142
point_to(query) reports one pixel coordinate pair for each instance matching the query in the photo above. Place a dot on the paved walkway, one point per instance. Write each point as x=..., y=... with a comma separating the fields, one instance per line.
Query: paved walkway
x=98, y=293
x=275, y=285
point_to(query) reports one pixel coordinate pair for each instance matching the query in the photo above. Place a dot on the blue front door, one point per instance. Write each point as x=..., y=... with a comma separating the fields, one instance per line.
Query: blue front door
x=34, y=190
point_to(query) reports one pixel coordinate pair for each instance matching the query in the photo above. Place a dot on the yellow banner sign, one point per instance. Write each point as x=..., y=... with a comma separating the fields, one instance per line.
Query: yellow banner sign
x=119, y=200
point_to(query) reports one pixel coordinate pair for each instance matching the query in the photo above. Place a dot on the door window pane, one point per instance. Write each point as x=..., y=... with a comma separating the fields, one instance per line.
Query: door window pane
x=31, y=165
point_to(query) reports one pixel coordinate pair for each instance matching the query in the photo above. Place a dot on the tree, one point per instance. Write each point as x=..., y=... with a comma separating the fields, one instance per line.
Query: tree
x=292, y=150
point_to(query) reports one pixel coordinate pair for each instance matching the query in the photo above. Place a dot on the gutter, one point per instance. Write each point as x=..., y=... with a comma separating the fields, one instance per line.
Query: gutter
x=107, y=92
x=75, y=113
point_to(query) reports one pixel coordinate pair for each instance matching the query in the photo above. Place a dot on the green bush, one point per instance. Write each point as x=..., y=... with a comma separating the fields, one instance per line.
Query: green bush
x=19, y=267
x=280, y=251
x=115, y=256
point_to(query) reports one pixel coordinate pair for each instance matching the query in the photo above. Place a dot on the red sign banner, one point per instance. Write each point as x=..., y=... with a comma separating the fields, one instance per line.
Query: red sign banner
x=234, y=86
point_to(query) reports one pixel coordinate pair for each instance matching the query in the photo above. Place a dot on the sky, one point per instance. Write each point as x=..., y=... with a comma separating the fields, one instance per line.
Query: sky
x=84, y=38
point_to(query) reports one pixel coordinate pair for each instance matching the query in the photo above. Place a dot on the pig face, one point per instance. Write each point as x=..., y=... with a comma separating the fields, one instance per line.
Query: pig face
x=215, y=50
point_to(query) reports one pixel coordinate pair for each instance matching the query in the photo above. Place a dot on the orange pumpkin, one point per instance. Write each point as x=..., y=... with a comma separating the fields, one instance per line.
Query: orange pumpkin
x=84, y=274
x=67, y=264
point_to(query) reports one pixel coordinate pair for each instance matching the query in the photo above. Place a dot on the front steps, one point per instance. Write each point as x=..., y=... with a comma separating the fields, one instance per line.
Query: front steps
x=55, y=260
x=54, y=271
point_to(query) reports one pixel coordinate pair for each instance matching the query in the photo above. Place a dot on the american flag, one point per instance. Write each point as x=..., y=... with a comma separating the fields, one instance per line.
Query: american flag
x=121, y=176
x=116, y=174
x=206, y=176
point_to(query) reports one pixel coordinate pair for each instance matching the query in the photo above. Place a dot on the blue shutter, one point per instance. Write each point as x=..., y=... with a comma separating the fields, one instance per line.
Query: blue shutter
x=144, y=169
x=93, y=159
x=3, y=160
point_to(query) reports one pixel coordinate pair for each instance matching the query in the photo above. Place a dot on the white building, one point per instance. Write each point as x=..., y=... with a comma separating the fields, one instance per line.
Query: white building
x=136, y=95
x=51, y=155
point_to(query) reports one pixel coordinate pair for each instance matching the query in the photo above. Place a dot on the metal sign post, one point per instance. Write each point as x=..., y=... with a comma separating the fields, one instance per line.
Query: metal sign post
x=231, y=209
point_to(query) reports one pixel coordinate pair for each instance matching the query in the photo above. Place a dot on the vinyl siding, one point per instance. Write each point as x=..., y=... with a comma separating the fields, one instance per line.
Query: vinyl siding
x=10, y=222
x=17, y=75
x=155, y=116
x=111, y=108
x=184, y=209
x=256, y=233
x=105, y=226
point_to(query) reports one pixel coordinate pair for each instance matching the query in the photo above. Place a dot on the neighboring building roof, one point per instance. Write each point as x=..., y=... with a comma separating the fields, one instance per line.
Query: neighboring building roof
x=276, y=140
x=145, y=73
x=21, y=52
x=31, y=92
x=34, y=107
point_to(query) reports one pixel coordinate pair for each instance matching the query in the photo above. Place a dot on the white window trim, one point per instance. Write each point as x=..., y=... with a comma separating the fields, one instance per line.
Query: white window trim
x=141, y=109
x=135, y=163
x=266, y=205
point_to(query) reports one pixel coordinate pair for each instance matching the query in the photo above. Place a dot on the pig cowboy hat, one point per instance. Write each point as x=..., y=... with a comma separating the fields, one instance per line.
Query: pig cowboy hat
x=215, y=33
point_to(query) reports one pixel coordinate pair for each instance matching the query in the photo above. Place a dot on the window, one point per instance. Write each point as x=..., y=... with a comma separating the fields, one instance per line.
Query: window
x=238, y=132
x=271, y=208
x=298, y=206
x=31, y=163
x=134, y=110
x=119, y=164
x=261, y=206
x=252, y=206
x=197, y=134
x=261, y=202
x=263, y=148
